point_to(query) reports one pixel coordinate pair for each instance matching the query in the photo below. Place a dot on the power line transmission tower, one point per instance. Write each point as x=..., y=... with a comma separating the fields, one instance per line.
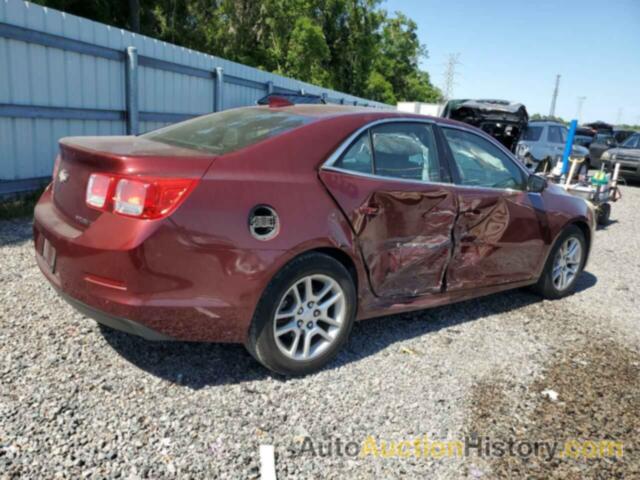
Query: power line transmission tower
x=450, y=75
x=579, y=109
x=552, y=111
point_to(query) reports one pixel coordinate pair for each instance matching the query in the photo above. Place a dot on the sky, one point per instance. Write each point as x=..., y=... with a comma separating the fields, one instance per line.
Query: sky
x=514, y=49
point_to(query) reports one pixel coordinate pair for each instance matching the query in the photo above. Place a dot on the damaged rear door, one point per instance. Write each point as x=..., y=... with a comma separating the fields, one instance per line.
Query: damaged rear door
x=395, y=191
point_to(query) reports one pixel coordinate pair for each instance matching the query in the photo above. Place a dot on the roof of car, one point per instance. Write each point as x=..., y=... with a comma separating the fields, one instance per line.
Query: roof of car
x=319, y=110
x=371, y=113
x=545, y=122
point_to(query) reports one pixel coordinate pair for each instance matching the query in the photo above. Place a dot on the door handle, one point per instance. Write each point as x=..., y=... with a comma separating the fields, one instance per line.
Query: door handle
x=370, y=210
x=471, y=211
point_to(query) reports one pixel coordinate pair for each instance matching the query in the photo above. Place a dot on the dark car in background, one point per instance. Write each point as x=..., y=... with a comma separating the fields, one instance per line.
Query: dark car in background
x=628, y=155
x=584, y=136
x=621, y=135
x=602, y=141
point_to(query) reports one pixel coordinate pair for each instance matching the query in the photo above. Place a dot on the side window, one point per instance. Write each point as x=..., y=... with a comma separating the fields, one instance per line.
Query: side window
x=481, y=163
x=358, y=157
x=556, y=134
x=406, y=150
x=602, y=138
x=532, y=134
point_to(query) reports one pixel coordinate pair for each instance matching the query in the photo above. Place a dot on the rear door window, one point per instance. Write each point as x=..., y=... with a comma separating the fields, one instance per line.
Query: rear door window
x=532, y=134
x=228, y=131
x=408, y=151
x=557, y=134
x=358, y=157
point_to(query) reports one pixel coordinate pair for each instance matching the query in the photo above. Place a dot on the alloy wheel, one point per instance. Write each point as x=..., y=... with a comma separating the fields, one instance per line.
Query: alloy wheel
x=566, y=263
x=309, y=317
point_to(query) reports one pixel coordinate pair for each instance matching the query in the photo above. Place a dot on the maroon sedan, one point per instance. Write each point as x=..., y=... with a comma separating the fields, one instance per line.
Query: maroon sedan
x=279, y=226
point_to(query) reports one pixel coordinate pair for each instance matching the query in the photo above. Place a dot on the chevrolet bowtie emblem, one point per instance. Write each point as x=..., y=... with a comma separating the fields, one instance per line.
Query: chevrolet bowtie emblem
x=63, y=176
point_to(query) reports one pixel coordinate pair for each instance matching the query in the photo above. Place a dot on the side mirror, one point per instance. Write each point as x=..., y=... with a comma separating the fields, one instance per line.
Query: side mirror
x=610, y=142
x=536, y=183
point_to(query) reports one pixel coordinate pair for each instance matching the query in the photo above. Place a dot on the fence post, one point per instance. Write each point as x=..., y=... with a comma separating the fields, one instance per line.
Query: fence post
x=218, y=100
x=131, y=75
x=269, y=87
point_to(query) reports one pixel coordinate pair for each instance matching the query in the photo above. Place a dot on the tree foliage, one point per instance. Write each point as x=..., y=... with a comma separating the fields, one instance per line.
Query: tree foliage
x=548, y=118
x=348, y=45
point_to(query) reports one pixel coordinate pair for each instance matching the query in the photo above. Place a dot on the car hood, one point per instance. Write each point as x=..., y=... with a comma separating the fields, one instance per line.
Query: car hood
x=579, y=150
x=471, y=111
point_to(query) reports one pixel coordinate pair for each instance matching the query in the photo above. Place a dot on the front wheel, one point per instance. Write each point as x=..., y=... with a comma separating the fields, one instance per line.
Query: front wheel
x=564, y=265
x=305, y=315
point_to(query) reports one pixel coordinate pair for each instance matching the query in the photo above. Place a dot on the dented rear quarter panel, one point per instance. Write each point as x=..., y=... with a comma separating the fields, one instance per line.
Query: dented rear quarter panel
x=282, y=173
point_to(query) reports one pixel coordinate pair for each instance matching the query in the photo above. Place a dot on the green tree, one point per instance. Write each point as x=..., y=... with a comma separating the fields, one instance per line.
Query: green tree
x=348, y=45
x=397, y=61
x=307, y=52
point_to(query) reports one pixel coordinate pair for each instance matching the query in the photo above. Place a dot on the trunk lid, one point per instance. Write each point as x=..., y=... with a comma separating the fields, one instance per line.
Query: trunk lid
x=82, y=156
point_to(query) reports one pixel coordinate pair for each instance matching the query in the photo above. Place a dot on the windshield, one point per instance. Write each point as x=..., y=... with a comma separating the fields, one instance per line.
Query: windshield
x=228, y=131
x=583, y=140
x=631, y=141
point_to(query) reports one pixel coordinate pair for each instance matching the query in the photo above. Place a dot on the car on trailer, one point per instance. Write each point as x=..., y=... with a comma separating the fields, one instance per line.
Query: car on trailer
x=503, y=120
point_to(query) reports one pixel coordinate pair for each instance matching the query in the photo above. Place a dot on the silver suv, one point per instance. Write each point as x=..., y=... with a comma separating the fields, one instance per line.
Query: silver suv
x=542, y=143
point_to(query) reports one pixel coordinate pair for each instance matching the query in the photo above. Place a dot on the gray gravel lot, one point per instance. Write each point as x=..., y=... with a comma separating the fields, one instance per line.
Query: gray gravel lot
x=78, y=401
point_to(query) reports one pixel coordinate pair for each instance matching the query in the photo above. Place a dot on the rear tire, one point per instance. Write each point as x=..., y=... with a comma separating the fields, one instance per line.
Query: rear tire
x=564, y=265
x=304, y=316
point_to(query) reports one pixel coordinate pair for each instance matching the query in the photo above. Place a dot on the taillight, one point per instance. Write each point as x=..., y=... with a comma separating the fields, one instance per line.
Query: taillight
x=140, y=197
x=98, y=190
x=130, y=198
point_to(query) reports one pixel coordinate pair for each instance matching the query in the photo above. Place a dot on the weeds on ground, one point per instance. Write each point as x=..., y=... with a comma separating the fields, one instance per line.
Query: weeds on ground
x=19, y=206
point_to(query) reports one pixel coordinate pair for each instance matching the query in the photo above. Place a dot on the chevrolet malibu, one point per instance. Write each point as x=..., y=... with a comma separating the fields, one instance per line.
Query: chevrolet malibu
x=279, y=226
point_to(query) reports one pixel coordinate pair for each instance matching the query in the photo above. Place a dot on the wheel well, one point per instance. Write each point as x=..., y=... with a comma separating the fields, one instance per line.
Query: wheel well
x=586, y=231
x=343, y=258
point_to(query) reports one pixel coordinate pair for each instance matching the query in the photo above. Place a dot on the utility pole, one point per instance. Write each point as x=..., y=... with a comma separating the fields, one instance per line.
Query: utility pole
x=450, y=75
x=579, y=109
x=552, y=111
x=134, y=15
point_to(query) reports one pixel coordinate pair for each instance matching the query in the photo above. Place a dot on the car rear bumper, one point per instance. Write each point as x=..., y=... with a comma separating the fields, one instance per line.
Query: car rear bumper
x=151, y=278
x=117, y=323
x=630, y=170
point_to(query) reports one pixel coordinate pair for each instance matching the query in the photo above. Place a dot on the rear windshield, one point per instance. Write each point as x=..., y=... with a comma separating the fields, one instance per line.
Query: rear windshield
x=228, y=131
x=532, y=134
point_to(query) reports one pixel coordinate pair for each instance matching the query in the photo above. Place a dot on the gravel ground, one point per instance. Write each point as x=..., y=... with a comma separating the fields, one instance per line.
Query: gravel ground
x=78, y=401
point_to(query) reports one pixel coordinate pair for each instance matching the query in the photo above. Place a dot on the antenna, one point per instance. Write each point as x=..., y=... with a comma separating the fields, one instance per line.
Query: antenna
x=552, y=111
x=579, y=109
x=450, y=75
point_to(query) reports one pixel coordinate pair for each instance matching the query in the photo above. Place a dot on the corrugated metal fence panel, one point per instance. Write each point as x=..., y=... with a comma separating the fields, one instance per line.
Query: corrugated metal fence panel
x=74, y=84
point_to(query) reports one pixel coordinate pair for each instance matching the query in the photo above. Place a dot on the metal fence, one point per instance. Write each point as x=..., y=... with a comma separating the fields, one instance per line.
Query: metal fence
x=62, y=75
